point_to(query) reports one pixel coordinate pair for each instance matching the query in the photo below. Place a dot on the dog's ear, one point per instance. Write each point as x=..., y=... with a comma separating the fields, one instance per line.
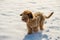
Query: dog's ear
x=30, y=15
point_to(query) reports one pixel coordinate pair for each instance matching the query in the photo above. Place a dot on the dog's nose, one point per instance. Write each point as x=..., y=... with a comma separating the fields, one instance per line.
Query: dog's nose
x=20, y=14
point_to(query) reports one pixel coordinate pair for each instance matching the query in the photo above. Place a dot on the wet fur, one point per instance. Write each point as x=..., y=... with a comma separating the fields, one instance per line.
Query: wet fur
x=34, y=21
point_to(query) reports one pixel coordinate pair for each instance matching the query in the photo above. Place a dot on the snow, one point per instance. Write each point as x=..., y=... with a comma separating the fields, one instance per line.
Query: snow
x=13, y=28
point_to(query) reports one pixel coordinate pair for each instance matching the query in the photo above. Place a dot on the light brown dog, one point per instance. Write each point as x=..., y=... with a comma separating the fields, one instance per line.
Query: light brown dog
x=34, y=21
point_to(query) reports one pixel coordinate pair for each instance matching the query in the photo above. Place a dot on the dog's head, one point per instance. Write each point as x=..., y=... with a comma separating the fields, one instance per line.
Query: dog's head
x=26, y=15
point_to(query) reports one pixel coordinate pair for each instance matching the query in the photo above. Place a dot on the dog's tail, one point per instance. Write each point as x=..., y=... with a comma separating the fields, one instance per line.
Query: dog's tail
x=49, y=15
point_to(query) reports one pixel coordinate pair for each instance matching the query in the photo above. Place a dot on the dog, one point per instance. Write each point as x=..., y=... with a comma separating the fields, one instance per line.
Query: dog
x=34, y=21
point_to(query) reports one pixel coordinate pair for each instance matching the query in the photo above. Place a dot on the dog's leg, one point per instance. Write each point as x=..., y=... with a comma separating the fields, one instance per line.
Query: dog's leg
x=35, y=29
x=29, y=30
x=41, y=25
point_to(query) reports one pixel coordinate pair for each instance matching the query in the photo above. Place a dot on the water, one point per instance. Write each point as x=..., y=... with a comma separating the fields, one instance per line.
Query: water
x=11, y=26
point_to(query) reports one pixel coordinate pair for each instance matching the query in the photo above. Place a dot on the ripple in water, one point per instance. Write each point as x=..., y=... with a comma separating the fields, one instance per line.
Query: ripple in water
x=32, y=2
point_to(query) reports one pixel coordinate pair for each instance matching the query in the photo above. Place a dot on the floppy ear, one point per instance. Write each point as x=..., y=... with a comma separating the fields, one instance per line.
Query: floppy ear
x=30, y=15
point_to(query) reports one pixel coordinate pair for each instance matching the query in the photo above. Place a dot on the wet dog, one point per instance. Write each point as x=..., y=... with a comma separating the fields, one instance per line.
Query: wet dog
x=34, y=21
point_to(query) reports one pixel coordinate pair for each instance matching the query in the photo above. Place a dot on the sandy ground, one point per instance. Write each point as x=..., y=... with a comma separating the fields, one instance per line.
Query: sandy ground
x=12, y=28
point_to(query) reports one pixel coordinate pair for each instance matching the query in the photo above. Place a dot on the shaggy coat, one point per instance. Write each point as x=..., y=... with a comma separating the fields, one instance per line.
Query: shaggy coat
x=34, y=21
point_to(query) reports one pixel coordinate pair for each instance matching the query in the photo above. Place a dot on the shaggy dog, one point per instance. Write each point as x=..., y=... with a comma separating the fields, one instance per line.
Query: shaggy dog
x=34, y=21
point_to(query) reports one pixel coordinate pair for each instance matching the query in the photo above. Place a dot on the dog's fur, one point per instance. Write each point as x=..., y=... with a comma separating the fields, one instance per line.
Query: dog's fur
x=34, y=21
